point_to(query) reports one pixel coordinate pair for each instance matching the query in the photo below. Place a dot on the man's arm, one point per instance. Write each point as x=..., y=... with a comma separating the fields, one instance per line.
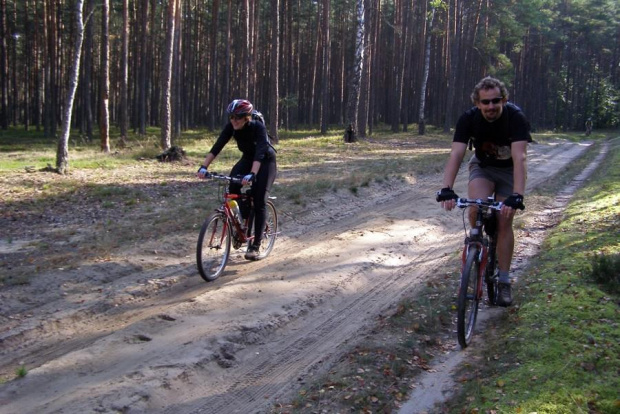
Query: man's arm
x=452, y=168
x=457, y=154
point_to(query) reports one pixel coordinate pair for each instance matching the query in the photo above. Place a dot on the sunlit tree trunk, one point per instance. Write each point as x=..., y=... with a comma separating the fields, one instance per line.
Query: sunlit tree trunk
x=178, y=91
x=166, y=77
x=62, y=154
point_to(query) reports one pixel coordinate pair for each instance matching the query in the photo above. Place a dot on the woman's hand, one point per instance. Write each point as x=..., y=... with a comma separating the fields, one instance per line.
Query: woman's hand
x=248, y=179
x=202, y=172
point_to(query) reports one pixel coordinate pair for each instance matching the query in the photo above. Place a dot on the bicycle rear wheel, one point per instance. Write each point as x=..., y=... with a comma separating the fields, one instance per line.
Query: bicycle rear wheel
x=213, y=249
x=467, y=306
x=269, y=233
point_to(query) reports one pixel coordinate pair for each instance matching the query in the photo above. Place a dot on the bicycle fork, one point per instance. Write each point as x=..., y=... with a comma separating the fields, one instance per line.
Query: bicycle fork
x=481, y=250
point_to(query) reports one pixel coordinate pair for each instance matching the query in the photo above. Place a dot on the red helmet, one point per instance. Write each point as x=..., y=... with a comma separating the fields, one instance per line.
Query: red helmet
x=240, y=107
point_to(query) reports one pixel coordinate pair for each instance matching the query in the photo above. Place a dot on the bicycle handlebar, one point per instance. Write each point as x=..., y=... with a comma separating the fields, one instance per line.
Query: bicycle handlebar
x=466, y=202
x=216, y=176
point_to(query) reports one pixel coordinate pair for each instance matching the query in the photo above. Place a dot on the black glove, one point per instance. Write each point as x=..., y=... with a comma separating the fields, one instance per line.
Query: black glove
x=203, y=170
x=446, y=194
x=515, y=201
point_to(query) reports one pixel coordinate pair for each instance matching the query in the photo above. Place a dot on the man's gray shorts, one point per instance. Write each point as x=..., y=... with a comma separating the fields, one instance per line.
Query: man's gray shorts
x=501, y=177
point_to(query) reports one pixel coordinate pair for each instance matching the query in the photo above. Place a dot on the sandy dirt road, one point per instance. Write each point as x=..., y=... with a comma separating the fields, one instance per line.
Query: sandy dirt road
x=147, y=334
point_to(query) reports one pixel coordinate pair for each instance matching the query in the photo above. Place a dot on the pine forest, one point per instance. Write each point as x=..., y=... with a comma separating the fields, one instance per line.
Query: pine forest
x=175, y=64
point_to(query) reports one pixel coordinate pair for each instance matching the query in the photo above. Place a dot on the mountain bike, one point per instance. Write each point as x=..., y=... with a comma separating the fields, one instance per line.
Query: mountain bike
x=479, y=261
x=225, y=228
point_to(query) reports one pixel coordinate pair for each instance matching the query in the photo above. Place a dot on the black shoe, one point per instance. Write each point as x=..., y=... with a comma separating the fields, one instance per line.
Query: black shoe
x=252, y=253
x=504, y=298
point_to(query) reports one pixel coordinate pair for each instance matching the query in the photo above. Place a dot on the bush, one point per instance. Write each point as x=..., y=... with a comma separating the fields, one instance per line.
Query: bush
x=606, y=271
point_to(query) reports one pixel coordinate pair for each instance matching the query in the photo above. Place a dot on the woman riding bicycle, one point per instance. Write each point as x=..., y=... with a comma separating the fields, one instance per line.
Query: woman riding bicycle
x=257, y=164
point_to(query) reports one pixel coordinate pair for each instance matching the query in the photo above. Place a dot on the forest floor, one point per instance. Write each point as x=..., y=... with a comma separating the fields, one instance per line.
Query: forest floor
x=134, y=329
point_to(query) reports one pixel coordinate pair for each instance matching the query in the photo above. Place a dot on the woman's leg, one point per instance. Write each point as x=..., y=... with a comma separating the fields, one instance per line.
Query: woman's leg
x=260, y=191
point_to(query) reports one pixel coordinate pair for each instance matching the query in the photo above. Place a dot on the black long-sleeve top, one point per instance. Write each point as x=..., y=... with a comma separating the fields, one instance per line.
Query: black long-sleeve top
x=252, y=141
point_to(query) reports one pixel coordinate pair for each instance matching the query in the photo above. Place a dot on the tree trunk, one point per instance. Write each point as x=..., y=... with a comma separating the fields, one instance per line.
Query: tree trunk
x=166, y=78
x=14, y=98
x=212, y=68
x=50, y=103
x=178, y=91
x=396, y=83
x=104, y=108
x=315, y=69
x=274, y=114
x=4, y=78
x=28, y=64
x=427, y=64
x=142, y=80
x=124, y=69
x=453, y=67
x=228, y=58
x=325, y=67
x=86, y=82
x=356, y=79
x=62, y=154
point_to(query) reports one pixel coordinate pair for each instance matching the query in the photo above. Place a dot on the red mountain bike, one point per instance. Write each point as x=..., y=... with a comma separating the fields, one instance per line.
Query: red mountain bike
x=479, y=261
x=225, y=228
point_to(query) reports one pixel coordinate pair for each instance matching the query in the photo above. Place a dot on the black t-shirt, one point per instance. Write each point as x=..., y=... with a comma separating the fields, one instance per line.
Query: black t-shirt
x=492, y=140
x=252, y=141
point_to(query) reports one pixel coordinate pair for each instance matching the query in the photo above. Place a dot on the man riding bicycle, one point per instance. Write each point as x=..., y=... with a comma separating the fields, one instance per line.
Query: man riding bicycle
x=257, y=164
x=500, y=133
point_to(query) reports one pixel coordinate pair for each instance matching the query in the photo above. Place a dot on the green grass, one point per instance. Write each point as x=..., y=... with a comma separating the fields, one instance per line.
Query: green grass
x=21, y=372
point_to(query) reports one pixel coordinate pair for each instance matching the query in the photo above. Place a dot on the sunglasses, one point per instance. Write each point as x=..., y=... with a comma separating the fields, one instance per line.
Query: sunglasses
x=494, y=101
x=237, y=117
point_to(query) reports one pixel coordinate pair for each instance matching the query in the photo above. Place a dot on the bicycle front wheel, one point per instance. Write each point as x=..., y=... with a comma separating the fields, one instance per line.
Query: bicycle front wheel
x=467, y=306
x=269, y=233
x=213, y=249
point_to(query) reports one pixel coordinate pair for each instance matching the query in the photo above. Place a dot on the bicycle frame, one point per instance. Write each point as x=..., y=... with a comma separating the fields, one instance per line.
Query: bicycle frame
x=240, y=232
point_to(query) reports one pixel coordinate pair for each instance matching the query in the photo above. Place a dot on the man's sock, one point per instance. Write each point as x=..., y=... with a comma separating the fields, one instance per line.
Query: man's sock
x=504, y=276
